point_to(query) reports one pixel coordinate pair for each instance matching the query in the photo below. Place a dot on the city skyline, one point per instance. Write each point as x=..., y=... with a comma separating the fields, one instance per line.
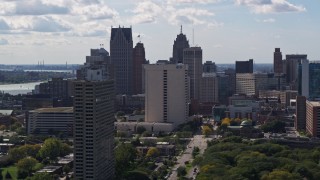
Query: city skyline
x=227, y=30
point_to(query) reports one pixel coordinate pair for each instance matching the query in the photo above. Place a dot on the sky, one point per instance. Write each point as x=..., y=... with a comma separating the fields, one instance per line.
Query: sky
x=60, y=31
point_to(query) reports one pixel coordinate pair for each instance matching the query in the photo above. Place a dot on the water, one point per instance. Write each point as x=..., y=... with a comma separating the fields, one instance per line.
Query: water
x=15, y=89
x=39, y=70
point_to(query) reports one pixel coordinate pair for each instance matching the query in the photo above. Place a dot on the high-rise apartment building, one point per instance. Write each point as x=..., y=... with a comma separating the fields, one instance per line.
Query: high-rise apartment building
x=121, y=47
x=193, y=58
x=277, y=61
x=139, y=59
x=245, y=83
x=94, y=125
x=179, y=45
x=244, y=66
x=313, y=118
x=167, y=93
x=300, y=119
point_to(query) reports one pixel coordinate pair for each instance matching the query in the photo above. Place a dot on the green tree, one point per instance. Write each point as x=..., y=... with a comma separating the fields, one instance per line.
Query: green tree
x=153, y=152
x=41, y=176
x=274, y=126
x=280, y=175
x=27, y=164
x=51, y=149
x=120, y=114
x=66, y=169
x=181, y=171
x=141, y=129
x=124, y=155
x=15, y=154
x=65, y=149
x=8, y=175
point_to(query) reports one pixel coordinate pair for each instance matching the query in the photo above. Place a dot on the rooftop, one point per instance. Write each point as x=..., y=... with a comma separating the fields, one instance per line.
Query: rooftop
x=314, y=103
x=54, y=110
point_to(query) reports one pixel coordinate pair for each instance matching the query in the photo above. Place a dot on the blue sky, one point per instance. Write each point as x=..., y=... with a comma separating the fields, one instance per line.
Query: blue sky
x=57, y=31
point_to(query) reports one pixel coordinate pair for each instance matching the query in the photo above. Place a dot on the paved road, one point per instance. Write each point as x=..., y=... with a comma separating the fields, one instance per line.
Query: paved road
x=196, y=141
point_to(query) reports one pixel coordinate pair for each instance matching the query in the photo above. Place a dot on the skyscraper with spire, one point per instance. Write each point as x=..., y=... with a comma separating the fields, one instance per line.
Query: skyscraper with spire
x=179, y=44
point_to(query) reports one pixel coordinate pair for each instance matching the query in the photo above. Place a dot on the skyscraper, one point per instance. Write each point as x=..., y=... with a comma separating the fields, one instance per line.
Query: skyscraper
x=209, y=67
x=292, y=63
x=277, y=61
x=121, y=46
x=139, y=59
x=94, y=125
x=193, y=58
x=309, y=79
x=166, y=96
x=244, y=66
x=179, y=45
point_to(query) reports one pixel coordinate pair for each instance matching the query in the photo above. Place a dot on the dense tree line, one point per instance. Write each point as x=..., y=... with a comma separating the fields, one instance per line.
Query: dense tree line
x=232, y=158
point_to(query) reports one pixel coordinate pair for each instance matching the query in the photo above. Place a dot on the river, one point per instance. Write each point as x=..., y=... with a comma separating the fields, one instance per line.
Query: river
x=15, y=89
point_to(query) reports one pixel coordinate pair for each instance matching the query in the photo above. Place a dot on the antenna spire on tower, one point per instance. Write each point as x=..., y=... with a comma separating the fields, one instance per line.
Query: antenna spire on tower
x=181, y=29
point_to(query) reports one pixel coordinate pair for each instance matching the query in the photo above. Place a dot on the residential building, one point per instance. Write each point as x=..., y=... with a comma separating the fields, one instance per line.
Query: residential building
x=50, y=121
x=167, y=93
x=121, y=47
x=313, y=118
x=193, y=58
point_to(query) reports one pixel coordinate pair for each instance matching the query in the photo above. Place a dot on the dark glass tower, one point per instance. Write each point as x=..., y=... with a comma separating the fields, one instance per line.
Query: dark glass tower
x=139, y=59
x=121, y=47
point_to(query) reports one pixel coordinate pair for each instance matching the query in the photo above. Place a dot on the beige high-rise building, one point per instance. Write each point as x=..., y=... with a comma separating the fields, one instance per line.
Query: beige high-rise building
x=166, y=93
x=245, y=83
x=193, y=58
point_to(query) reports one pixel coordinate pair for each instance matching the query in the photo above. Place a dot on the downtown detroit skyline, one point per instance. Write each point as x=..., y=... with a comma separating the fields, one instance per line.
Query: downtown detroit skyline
x=227, y=30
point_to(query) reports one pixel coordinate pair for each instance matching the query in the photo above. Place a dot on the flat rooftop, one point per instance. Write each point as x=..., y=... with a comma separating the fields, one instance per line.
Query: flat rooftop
x=54, y=110
x=314, y=103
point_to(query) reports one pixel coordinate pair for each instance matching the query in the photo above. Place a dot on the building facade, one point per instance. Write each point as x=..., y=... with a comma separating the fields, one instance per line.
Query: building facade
x=292, y=63
x=277, y=61
x=300, y=119
x=50, y=121
x=313, y=118
x=209, y=88
x=121, y=47
x=193, y=58
x=244, y=66
x=167, y=93
x=139, y=58
x=209, y=67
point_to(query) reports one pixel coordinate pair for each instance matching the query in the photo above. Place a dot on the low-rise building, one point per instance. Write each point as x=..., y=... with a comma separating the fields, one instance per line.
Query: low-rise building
x=50, y=121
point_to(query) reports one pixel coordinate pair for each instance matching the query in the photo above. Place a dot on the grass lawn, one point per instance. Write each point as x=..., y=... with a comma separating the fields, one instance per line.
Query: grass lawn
x=13, y=171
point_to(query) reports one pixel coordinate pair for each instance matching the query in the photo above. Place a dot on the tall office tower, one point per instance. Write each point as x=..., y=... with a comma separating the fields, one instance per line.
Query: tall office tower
x=277, y=61
x=244, y=66
x=94, y=126
x=313, y=118
x=209, y=67
x=209, y=88
x=179, y=45
x=292, y=63
x=193, y=58
x=139, y=59
x=121, y=47
x=167, y=93
x=300, y=119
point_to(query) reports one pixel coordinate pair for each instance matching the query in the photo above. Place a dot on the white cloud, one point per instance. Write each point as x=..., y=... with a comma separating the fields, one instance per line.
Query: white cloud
x=270, y=6
x=94, y=11
x=48, y=24
x=3, y=41
x=4, y=25
x=269, y=20
x=146, y=12
x=37, y=7
x=176, y=2
x=192, y=16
